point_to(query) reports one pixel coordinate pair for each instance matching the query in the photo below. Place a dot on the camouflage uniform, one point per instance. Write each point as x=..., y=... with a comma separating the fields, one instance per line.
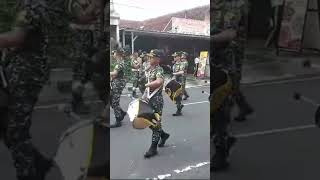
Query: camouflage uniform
x=117, y=85
x=185, y=61
x=27, y=71
x=82, y=43
x=156, y=102
x=85, y=44
x=226, y=15
x=179, y=66
x=136, y=75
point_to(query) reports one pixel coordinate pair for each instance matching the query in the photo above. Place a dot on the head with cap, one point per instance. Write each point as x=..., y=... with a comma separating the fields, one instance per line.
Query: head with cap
x=184, y=55
x=155, y=56
x=119, y=53
x=176, y=56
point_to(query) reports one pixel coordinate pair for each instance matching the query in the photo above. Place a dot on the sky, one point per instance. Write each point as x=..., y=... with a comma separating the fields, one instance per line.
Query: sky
x=140, y=10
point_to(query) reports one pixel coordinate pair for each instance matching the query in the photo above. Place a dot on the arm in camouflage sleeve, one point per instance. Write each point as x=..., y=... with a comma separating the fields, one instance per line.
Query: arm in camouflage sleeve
x=181, y=70
x=158, y=82
x=232, y=28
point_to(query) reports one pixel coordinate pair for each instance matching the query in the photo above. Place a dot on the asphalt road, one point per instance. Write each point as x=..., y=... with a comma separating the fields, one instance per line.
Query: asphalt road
x=186, y=154
x=279, y=141
x=47, y=126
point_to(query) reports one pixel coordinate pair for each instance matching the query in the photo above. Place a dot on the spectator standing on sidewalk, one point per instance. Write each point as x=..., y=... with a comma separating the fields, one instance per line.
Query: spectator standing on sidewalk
x=196, y=62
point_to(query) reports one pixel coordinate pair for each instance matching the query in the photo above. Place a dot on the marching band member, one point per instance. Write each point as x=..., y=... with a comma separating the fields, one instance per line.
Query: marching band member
x=155, y=81
x=185, y=61
x=118, y=83
x=178, y=70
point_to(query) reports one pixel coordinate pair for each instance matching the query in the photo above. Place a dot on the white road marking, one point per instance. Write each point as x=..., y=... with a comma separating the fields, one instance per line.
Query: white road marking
x=201, y=102
x=177, y=171
x=281, y=81
x=275, y=131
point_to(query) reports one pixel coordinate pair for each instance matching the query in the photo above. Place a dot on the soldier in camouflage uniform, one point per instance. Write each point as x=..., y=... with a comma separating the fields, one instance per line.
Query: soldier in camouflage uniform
x=135, y=64
x=185, y=61
x=143, y=68
x=239, y=55
x=118, y=83
x=226, y=24
x=156, y=80
x=27, y=70
x=178, y=71
x=82, y=37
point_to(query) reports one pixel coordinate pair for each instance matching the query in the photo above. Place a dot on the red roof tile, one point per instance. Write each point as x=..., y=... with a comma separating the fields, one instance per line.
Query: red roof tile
x=159, y=23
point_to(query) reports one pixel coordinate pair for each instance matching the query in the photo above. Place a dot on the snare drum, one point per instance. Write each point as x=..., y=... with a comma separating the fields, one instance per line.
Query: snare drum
x=173, y=89
x=142, y=115
x=83, y=149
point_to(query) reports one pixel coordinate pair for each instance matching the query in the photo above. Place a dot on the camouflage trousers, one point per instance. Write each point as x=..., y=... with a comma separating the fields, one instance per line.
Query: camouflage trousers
x=26, y=77
x=179, y=98
x=82, y=44
x=185, y=93
x=156, y=103
x=117, y=87
x=220, y=110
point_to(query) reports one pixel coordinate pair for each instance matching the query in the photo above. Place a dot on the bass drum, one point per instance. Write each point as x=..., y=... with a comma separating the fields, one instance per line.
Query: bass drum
x=142, y=115
x=173, y=89
x=83, y=151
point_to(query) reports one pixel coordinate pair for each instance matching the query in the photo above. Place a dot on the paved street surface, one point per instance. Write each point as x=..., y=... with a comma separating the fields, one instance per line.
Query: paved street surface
x=186, y=154
x=48, y=125
x=279, y=141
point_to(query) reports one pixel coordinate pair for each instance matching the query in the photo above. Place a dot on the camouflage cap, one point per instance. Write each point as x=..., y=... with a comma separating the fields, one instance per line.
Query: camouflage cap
x=155, y=53
x=119, y=51
x=143, y=54
x=185, y=54
x=175, y=54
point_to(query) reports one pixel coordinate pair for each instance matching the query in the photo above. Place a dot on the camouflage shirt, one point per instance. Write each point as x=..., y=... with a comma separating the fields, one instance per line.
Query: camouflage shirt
x=155, y=73
x=180, y=66
x=228, y=14
x=120, y=68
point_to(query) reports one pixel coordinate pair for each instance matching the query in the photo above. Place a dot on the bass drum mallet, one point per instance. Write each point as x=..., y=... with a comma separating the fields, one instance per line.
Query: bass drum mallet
x=298, y=96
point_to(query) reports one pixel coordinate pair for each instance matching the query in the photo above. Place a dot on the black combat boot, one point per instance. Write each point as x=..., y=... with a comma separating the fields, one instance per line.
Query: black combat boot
x=164, y=136
x=186, y=96
x=118, y=120
x=152, y=150
x=43, y=164
x=244, y=112
x=179, y=109
x=219, y=160
x=116, y=124
x=78, y=105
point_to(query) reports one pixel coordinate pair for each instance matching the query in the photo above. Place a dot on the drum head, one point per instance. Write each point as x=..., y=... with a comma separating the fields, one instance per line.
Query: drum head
x=75, y=150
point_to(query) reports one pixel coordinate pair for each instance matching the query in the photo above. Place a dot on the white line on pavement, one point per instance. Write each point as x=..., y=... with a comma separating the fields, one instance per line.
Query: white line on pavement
x=201, y=102
x=275, y=131
x=188, y=87
x=177, y=171
x=282, y=82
